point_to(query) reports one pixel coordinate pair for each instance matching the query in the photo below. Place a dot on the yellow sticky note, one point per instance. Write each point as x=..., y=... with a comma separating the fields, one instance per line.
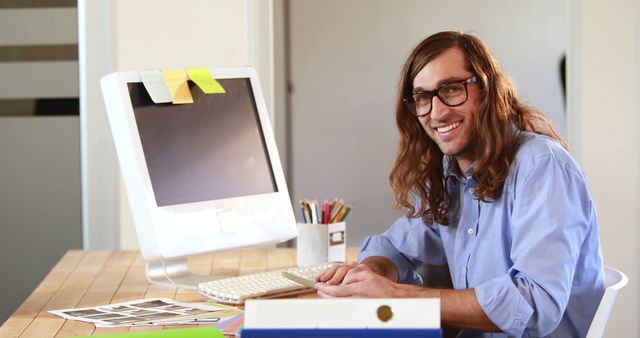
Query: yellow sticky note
x=205, y=81
x=176, y=81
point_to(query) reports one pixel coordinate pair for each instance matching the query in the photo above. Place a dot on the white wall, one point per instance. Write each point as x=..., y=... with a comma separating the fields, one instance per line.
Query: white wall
x=148, y=34
x=281, y=119
x=99, y=171
x=605, y=135
x=346, y=58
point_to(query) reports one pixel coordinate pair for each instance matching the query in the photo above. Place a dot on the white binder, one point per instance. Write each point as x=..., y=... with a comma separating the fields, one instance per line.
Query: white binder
x=343, y=313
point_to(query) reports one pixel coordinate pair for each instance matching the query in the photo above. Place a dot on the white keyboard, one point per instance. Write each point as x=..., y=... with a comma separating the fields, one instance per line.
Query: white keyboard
x=269, y=284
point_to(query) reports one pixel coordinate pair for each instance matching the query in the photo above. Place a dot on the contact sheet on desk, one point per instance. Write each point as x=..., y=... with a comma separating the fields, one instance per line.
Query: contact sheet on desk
x=152, y=311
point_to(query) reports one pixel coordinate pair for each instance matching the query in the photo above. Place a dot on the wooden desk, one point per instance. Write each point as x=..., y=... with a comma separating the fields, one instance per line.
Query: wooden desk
x=90, y=278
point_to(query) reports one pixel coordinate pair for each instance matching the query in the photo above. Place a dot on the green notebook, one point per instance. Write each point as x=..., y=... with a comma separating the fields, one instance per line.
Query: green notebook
x=199, y=332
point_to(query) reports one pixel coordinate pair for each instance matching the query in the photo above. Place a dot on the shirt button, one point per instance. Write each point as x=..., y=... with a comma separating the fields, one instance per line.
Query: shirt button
x=470, y=231
x=472, y=190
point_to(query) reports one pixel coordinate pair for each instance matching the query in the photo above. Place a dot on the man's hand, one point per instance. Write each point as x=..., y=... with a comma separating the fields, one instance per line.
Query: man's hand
x=354, y=280
x=335, y=275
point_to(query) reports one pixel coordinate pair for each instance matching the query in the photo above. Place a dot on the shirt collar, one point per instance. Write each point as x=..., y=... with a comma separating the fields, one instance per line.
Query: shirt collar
x=451, y=169
x=450, y=165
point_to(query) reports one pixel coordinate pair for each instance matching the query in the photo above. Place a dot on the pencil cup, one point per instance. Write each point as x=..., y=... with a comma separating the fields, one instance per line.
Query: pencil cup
x=321, y=243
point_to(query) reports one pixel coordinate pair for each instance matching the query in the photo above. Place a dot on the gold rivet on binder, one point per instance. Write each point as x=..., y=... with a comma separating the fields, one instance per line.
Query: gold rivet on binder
x=385, y=313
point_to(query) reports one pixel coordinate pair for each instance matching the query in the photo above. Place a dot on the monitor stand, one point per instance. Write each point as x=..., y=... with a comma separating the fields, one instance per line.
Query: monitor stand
x=175, y=274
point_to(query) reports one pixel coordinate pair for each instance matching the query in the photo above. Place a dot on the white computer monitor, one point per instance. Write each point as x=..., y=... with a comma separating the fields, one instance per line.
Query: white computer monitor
x=200, y=177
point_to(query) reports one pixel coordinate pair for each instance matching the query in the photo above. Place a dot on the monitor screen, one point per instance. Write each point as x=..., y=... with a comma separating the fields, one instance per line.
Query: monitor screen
x=211, y=149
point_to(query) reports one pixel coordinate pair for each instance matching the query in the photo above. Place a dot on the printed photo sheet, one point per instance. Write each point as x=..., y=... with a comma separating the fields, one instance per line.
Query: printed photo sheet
x=152, y=311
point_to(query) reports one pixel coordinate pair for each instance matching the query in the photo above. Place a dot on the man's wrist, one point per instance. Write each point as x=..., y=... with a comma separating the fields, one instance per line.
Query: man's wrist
x=382, y=266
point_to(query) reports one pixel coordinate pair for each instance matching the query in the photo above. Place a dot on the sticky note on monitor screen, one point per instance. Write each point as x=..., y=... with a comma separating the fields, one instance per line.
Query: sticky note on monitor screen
x=153, y=82
x=202, y=77
x=176, y=81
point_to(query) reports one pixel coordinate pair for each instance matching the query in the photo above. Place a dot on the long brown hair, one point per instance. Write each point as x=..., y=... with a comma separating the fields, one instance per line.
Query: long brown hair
x=418, y=168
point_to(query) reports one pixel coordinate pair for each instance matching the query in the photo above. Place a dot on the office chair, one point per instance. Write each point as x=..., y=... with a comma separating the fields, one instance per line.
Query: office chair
x=614, y=280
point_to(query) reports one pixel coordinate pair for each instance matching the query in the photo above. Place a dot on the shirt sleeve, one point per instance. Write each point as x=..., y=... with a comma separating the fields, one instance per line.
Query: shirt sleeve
x=408, y=243
x=552, y=212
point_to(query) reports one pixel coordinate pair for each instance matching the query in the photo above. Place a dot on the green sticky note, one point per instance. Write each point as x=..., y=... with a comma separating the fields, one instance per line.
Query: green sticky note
x=199, y=332
x=205, y=81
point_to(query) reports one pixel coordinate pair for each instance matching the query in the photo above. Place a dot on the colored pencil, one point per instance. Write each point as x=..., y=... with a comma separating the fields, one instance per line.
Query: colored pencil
x=345, y=213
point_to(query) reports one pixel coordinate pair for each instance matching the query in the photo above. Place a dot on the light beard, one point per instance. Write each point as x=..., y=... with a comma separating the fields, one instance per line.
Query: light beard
x=468, y=151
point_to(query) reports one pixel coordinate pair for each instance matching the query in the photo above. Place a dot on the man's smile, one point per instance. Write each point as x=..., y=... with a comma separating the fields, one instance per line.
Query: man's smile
x=449, y=127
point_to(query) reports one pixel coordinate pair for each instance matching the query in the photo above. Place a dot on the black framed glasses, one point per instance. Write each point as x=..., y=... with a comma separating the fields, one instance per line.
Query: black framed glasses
x=452, y=94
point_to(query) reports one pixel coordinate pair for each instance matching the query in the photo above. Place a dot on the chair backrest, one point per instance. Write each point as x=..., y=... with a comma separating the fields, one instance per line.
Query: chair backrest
x=614, y=280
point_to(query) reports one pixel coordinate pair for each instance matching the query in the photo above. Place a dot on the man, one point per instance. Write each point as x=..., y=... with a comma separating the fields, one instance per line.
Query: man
x=490, y=191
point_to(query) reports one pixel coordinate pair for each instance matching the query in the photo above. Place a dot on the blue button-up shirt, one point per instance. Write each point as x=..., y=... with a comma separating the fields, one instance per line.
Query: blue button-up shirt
x=533, y=255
